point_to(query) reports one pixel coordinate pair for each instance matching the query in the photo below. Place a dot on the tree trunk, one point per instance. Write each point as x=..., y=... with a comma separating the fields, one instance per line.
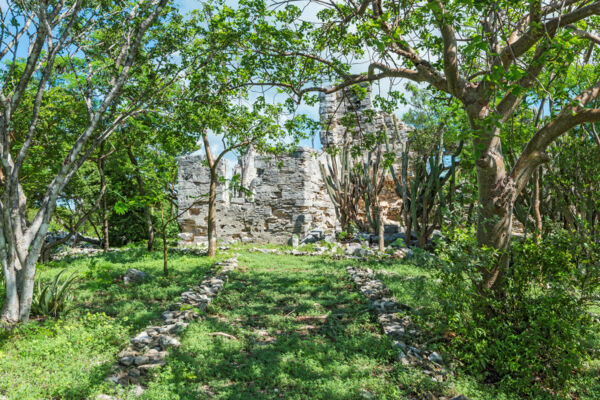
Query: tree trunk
x=10, y=308
x=408, y=230
x=165, y=252
x=27, y=283
x=381, y=230
x=497, y=193
x=536, y=204
x=212, y=224
x=101, y=161
x=212, y=195
x=19, y=279
x=105, y=238
x=140, y=182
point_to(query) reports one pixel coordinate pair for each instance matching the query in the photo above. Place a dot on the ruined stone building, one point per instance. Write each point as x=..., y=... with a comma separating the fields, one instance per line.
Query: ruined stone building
x=288, y=192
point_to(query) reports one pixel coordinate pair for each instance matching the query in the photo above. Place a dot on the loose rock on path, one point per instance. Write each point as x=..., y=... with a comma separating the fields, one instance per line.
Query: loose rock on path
x=399, y=328
x=149, y=349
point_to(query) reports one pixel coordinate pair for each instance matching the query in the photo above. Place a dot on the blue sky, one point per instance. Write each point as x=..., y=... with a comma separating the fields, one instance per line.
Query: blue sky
x=309, y=13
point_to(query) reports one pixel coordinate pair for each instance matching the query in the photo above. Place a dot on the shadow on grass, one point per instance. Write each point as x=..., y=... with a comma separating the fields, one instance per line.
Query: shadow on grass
x=136, y=305
x=300, y=333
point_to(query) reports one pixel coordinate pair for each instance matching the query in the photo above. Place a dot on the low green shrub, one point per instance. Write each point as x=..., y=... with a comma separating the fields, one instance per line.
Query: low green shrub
x=52, y=298
x=538, y=333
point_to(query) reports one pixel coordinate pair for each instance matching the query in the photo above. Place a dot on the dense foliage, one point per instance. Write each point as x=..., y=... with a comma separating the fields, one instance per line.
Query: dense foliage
x=540, y=331
x=503, y=154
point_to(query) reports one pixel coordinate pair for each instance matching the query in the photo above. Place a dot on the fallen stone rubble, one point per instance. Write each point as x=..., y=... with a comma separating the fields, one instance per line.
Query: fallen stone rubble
x=82, y=250
x=357, y=253
x=150, y=348
x=399, y=328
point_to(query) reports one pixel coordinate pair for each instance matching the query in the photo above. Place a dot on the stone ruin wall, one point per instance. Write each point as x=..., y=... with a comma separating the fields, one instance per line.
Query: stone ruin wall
x=289, y=195
x=335, y=134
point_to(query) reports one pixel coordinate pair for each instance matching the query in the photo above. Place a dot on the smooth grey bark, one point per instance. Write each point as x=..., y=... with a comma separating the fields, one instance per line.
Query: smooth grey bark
x=21, y=242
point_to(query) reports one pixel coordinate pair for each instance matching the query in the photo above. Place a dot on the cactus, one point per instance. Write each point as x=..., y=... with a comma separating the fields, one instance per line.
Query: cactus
x=369, y=175
x=341, y=186
x=423, y=197
x=351, y=180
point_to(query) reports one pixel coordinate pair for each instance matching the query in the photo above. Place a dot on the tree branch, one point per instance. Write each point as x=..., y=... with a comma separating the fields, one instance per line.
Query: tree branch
x=572, y=115
x=456, y=85
x=584, y=34
x=522, y=44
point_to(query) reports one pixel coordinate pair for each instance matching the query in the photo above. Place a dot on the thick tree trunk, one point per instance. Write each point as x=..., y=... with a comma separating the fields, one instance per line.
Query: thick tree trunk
x=19, y=279
x=497, y=193
x=212, y=223
x=10, y=308
x=140, y=182
x=27, y=283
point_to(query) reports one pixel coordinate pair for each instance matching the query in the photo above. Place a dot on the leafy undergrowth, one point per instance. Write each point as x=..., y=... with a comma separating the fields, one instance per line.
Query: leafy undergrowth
x=70, y=357
x=284, y=327
x=417, y=287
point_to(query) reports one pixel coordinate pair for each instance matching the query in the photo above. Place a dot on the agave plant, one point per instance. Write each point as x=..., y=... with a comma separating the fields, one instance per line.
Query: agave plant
x=51, y=298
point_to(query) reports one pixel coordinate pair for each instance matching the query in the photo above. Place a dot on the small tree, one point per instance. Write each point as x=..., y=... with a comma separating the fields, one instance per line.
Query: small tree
x=58, y=33
x=219, y=72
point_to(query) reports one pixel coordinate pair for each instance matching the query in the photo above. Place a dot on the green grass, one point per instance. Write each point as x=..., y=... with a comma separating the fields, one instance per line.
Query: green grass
x=416, y=287
x=300, y=331
x=70, y=357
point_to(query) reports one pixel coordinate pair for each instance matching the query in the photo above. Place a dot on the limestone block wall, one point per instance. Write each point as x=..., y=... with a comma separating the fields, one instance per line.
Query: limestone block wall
x=335, y=106
x=193, y=181
x=289, y=197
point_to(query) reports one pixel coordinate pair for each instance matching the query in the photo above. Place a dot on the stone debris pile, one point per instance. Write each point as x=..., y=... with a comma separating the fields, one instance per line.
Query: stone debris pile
x=83, y=250
x=354, y=251
x=399, y=328
x=149, y=349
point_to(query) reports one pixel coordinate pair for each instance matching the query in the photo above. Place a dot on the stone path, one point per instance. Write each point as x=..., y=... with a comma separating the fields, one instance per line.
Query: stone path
x=149, y=349
x=399, y=328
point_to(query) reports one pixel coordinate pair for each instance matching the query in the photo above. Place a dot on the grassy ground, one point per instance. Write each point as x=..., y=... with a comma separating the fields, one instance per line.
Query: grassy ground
x=283, y=327
x=416, y=287
x=70, y=357
x=298, y=331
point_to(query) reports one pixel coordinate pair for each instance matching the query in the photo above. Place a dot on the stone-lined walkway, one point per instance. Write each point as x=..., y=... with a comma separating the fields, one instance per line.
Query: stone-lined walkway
x=149, y=349
x=286, y=327
x=399, y=328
